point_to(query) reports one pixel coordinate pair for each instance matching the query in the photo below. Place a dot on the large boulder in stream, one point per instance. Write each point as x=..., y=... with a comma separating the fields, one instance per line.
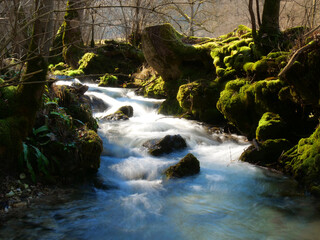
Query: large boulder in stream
x=123, y=113
x=97, y=104
x=187, y=166
x=168, y=144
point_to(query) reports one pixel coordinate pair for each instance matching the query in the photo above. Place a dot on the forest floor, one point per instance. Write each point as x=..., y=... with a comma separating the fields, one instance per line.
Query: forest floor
x=17, y=194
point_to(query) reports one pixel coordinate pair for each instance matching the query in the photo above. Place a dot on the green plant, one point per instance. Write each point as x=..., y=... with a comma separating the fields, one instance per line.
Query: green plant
x=32, y=157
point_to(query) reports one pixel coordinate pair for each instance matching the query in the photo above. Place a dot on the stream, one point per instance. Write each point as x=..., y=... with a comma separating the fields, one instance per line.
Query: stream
x=228, y=199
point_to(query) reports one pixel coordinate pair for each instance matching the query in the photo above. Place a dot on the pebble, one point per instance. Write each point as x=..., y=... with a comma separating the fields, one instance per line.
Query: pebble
x=22, y=176
x=10, y=194
x=19, y=204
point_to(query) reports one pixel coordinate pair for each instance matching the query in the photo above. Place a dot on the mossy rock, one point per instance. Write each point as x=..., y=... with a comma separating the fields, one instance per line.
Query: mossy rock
x=92, y=63
x=271, y=126
x=164, y=50
x=90, y=148
x=243, y=104
x=155, y=88
x=267, y=154
x=187, y=166
x=76, y=105
x=166, y=145
x=108, y=80
x=303, y=77
x=303, y=161
x=123, y=113
x=199, y=98
x=127, y=110
x=170, y=107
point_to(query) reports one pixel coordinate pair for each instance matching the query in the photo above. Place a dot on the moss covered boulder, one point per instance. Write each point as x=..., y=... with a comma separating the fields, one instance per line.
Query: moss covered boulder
x=168, y=144
x=76, y=104
x=243, y=103
x=112, y=58
x=164, y=50
x=108, y=80
x=199, y=99
x=90, y=148
x=303, y=75
x=187, y=166
x=267, y=153
x=123, y=113
x=303, y=161
x=271, y=126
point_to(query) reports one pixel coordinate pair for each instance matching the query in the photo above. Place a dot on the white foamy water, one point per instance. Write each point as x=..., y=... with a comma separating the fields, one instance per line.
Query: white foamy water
x=228, y=199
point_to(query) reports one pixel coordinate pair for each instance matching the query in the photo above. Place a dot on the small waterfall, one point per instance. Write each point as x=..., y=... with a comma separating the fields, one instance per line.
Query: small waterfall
x=228, y=199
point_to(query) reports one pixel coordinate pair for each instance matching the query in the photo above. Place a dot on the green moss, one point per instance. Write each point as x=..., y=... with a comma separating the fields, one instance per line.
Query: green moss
x=170, y=107
x=187, y=166
x=155, y=88
x=90, y=150
x=231, y=39
x=72, y=38
x=11, y=136
x=199, y=99
x=267, y=154
x=243, y=103
x=248, y=67
x=271, y=126
x=108, y=80
x=303, y=160
x=7, y=100
x=55, y=54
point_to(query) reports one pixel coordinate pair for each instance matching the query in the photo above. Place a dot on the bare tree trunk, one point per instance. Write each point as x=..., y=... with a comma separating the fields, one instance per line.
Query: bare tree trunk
x=126, y=27
x=258, y=13
x=253, y=20
x=313, y=17
x=192, y=15
x=46, y=24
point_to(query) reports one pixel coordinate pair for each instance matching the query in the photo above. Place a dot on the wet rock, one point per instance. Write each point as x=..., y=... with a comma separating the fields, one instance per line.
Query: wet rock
x=127, y=110
x=187, y=166
x=97, y=104
x=168, y=144
x=123, y=113
x=265, y=153
x=271, y=126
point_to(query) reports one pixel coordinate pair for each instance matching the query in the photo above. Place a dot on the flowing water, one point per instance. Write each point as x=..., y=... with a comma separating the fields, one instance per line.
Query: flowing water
x=227, y=200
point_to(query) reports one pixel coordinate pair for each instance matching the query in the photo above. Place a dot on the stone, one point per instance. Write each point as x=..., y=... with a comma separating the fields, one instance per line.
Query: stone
x=187, y=166
x=168, y=144
x=123, y=113
x=97, y=104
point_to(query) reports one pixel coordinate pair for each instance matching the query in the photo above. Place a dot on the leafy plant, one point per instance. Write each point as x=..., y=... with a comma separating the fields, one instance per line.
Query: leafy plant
x=32, y=157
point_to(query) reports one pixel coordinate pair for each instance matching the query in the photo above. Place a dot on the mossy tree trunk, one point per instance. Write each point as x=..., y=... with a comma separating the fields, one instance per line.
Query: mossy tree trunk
x=15, y=128
x=269, y=33
x=270, y=17
x=72, y=37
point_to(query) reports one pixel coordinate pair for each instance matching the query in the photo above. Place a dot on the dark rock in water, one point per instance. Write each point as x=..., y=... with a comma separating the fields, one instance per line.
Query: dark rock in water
x=127, y=110
x=79, y=88
x=168, y=144
x=123, y=113
x=97, y=104
x=266, y=153
x=187, y=166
